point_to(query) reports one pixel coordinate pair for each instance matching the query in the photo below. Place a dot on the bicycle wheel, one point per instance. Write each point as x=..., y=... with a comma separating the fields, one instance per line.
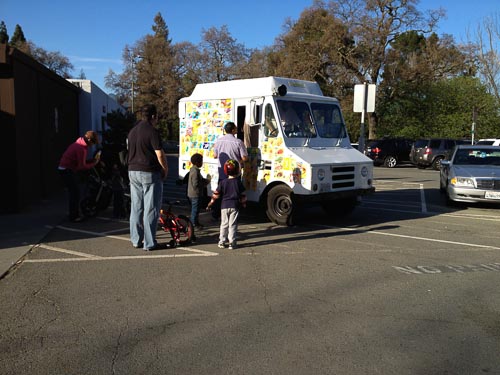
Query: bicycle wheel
x=88, y=207
x=185, y=230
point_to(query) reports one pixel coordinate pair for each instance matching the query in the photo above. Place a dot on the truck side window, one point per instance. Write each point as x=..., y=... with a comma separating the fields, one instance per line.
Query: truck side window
x=270, y=124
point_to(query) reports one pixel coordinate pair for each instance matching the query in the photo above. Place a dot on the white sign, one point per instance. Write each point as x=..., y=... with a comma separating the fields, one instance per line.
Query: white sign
x=359, y=98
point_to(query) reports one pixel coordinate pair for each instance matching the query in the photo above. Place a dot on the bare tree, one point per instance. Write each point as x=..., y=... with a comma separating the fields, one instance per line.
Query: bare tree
x=374, y=25
x=223, y=56
x=487, y=46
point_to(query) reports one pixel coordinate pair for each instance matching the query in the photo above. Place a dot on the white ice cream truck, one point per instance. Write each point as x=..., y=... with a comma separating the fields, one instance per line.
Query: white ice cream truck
x=298, y=146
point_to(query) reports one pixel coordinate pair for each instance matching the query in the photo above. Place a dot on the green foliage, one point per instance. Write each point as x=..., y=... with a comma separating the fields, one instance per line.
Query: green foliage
x=18, y=38
x=421, y=87
x=4, y=36
x=157, y=81
x=115, y=136
x=441, y=109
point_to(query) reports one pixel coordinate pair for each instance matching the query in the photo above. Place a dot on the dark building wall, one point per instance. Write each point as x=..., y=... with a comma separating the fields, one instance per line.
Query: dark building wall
x=40, y=110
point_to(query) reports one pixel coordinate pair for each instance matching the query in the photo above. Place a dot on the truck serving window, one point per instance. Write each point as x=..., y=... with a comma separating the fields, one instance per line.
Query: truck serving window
x=296, y=119
x=328, y=120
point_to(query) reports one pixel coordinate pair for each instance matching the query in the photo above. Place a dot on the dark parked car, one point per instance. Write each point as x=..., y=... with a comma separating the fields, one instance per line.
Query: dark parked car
x=429, y=152
x=389, y=151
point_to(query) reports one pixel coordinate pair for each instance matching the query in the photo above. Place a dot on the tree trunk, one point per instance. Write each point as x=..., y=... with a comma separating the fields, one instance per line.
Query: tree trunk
x=372, y=125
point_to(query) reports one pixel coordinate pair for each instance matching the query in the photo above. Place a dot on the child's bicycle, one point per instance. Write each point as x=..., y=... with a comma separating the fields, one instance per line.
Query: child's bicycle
x=179, y=226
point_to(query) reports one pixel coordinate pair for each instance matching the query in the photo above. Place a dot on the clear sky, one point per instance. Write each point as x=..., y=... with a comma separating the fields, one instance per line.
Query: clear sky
x=93, y=33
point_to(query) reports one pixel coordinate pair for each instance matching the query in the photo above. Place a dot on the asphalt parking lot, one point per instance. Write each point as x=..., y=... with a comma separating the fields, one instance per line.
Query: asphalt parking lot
x=405, y=285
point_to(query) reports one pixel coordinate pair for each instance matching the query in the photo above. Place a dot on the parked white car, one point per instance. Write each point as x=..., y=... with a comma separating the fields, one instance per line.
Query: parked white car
x=472, y=174
x=489, y=142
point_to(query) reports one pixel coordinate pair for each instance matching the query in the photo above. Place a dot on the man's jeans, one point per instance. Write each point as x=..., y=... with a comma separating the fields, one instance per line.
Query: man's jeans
x=146, y=193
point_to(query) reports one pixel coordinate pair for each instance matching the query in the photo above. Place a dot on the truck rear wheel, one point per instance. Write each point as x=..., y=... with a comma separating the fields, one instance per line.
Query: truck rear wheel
x=280, y=205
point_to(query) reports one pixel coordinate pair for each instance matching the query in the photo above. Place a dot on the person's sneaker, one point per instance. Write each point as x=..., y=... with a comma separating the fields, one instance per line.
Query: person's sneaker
x=221, y=245
x=156, y=247
x=232, y=246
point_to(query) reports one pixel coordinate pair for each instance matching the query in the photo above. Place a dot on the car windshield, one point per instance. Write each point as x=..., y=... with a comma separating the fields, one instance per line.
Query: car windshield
x=477, y=156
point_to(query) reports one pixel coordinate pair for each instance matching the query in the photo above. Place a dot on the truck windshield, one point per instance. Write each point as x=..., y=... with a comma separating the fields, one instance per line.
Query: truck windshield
x=328, y=120
x=296, y=119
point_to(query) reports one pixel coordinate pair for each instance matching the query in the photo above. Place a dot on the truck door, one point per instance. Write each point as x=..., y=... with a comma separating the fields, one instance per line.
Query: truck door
x=241, y=111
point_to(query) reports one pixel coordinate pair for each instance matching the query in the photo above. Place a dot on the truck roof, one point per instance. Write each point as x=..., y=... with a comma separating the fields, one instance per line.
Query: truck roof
x=253, y=87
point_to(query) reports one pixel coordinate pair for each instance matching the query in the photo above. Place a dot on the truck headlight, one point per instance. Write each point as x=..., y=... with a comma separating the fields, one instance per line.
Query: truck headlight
x=462, y=181
x=364, y=172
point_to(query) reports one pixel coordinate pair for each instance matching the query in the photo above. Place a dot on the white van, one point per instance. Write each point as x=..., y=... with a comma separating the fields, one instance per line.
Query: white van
x=306, y=158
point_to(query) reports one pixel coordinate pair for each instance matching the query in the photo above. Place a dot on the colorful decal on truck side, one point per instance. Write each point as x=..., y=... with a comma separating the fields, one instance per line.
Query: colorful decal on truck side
x=203, y=125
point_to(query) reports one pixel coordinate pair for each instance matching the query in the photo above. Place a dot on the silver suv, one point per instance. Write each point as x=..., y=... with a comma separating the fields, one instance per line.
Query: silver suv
x=428, y=152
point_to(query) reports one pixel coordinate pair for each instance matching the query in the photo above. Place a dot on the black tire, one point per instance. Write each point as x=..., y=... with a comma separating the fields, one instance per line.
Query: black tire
x=280, y=207
x=390, y=161
x=88, y=207
x=104, y=199
x=442, y=189
x=436, y=164
x=186, y=230
x=449, y=202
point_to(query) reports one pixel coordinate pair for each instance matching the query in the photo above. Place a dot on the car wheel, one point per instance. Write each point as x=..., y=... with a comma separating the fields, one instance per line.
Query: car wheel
x=390, y=161
x=436, y=164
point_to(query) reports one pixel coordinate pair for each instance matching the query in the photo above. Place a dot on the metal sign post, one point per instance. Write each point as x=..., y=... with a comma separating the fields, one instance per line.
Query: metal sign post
x=364, y=102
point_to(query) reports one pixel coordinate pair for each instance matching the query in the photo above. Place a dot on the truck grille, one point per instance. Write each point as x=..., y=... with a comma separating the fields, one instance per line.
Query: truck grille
x=488, y=184
x=342, y=177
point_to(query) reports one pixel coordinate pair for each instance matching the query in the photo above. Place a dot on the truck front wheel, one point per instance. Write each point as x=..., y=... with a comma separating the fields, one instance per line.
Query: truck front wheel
x=280, y=206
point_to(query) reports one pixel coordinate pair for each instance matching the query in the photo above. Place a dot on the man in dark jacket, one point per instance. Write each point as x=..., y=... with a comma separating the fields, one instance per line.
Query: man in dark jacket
x=147, y=168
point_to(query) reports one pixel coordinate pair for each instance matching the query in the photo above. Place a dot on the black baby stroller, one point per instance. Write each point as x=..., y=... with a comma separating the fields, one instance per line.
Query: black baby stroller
x=97, y=193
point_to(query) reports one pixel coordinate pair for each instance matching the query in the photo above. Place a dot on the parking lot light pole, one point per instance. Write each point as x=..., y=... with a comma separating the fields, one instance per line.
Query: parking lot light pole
x=132, y=63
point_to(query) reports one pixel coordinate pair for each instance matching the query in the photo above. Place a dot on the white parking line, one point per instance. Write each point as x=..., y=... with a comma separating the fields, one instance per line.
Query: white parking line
x=87, y=257
x=200, y=253
x=66, y=251
x=369, y=231
x=90, y=257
